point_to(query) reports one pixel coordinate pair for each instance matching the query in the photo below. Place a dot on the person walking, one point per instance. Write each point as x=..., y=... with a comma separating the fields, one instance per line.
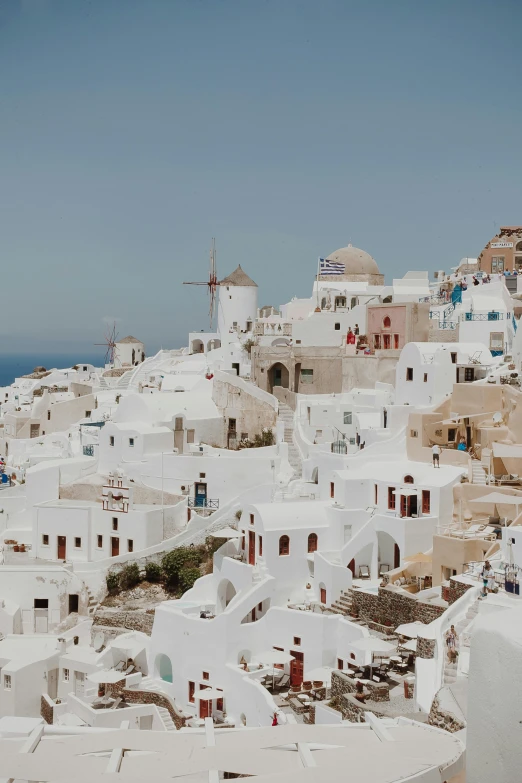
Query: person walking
x=451, y=643
x=435, y=451
x=462, y=445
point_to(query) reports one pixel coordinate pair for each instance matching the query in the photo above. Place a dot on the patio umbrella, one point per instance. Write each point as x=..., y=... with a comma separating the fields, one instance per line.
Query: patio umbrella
x=323, y=673
x=208, y=694
x=272, y=657
x=411, y=630
x=374, y=645
x=225, y=532
x=411, y=645
x=420, y=557
x=106, y=676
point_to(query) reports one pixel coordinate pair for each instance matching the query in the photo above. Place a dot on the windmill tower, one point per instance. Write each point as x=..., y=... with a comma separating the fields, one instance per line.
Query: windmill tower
x=211, y=283
x=111, y=337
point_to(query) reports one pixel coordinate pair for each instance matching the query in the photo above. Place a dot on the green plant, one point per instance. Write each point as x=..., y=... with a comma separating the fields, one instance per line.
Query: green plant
x=130, y=576
x=187, y=577
x=113, y=582
x=248, y=345
x=173, y=562
x=153, y=572
x=266, y=438
x=238, y=514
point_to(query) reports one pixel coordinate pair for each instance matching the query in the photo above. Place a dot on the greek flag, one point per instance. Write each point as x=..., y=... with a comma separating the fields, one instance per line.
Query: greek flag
x=327, y=267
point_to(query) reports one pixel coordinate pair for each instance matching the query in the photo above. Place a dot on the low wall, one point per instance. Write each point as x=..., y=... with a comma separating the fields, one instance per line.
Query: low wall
x=456, y=590
x=444, y=720
x=286, y=396
x=425, y=647
x=118, y=620
x=390, y=608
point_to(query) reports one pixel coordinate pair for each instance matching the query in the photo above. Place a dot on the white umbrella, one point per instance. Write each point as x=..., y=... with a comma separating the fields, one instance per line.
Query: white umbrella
x=106, y=677
x=274, y=656
x=323, y=673
x=411, y=630
x=225, y=532
x=208, y=694
x=411, y=645
x=374, y=645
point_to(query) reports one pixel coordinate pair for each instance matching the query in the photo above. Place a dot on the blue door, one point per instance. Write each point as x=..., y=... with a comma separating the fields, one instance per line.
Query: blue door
x=201, y=495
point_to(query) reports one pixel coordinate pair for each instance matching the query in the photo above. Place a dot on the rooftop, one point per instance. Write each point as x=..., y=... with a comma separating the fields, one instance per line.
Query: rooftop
x=238, y=277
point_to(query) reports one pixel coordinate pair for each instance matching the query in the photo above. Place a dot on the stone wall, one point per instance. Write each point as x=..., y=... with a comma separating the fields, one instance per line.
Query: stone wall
x=354, y=710
x=107, y=619
x=391, y=607
x=132, y=696
x=341, y=684
x=456, y=590
x=47, y=709
x=425, y=648
x=444, y=720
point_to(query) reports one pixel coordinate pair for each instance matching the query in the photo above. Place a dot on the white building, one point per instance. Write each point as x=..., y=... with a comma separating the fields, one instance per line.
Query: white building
x=128, y=352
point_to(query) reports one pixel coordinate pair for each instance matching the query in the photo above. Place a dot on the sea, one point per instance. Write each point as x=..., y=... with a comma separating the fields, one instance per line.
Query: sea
x=14, y=365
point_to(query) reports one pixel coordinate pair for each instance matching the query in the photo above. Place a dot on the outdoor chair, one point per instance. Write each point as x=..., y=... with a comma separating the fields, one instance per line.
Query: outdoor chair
x=282, y=681
x=384, y=568
x=116, y=703
x=364, y=572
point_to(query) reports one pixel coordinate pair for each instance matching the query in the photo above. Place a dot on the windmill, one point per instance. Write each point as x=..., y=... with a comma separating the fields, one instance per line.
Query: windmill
x=110, y=343
x=211, y=283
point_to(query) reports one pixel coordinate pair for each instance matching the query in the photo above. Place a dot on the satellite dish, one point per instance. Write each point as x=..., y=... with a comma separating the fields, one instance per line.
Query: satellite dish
x=99, y=641
x=497, y=418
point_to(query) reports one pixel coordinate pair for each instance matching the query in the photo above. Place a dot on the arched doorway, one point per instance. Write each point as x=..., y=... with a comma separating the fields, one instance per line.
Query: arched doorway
x=197, y=346
x=388, y=552
x=278, y=376
x=315, y=475
x=164, y=667
x=213, y=344
x=225, y=593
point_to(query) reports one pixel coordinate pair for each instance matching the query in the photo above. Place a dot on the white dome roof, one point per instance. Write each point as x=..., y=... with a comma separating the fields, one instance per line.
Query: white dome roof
x=356, y=261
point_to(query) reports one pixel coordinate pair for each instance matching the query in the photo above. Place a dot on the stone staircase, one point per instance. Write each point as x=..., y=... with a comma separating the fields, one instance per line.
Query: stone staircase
x=343, y=605
x=478, y=474
x=463, y=630
x=92, y=604
x=151, y=685
x=286, y=415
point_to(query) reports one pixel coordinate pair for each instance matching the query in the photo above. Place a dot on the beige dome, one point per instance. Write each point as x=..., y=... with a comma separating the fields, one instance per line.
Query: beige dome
x=356, y=261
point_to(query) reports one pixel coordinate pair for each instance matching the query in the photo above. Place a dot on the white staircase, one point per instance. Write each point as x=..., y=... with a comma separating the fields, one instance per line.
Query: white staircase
x=478, y=474
x=165, y=717
x=286, y=415
x=463, y=629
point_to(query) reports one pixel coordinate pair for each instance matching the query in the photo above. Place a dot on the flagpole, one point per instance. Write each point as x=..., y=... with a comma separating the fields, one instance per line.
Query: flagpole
x=317, y=281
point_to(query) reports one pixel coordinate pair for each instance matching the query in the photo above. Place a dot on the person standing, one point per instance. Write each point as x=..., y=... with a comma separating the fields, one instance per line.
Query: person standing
x=451, y=643
x=356, y=330
x=435, y=451
x=385, y=417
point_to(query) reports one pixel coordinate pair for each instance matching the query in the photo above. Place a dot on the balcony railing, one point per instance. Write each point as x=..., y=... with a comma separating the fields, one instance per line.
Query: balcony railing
x=492, y=316
x=88, y=451
x=203, y=503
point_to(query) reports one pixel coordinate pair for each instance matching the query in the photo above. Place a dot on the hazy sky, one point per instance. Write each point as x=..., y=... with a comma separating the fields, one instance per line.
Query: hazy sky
x=132, y=131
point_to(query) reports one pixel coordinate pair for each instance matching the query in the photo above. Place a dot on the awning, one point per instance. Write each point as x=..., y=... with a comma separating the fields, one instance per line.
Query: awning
x=208, y=694
x=498, y=499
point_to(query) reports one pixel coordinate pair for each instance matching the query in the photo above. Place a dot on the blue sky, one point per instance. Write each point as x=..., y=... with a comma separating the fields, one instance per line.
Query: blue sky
x=133, y=131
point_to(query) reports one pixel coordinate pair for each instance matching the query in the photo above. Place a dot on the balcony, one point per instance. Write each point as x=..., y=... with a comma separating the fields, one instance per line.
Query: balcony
x=200, y=502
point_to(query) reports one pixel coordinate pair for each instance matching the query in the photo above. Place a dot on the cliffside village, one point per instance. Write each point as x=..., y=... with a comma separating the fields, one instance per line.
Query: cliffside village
x=295, y=543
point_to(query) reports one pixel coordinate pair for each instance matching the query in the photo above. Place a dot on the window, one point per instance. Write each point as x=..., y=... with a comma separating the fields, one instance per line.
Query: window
x=454, y=357
x=100, y=541
x=260, y=607
x=111, y=440
x=205, y=676
x=469, y=374
x=78, y=543
x=353, y=302
x=347, y=417
x=191, y=692
x=279, y=665
x=66, y=675
x=376, y=341
x=130, y=545
x=178, y=424
x=451, y=435
x=332, y=489
x=87, y=414
x=115, y=523
x=251, y=519
x=131, y=442
x=297, y=641
x=244, y=436
x=202, y=475
x=337, y=327
x=386, y=322
x=340, y=301
x=85, y=369
x=48, y=415
x=496, y=341
x=386, y=339
x=260, y=546
x=408, y=480
x=284, y=546
x=312, y=542
x=425, y=377
x=391, y=498
x=497, y=263
x=396, y=341
x=307, y=376
x=375, y=494
x=7, y=682
x=340, y=664
x=298, y=342
x=414, y=433
x=409, y=373
x=426, y=501
x=231, y=425
x=45, y=540
x=191, y=434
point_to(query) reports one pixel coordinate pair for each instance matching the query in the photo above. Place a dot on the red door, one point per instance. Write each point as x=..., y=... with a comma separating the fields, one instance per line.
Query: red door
x=404, y=506
x=61, y=547
x=296, y=668
x=323, y=595
x=205, y=708
x=396, y=556
x=351, y=566
x=115, y=546
x=251, y=547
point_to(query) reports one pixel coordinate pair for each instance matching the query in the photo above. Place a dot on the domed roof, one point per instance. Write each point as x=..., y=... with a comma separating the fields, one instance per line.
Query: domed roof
x=356, y=261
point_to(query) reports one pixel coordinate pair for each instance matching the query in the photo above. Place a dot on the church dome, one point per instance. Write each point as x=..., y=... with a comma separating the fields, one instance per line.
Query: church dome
x=356, y=261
